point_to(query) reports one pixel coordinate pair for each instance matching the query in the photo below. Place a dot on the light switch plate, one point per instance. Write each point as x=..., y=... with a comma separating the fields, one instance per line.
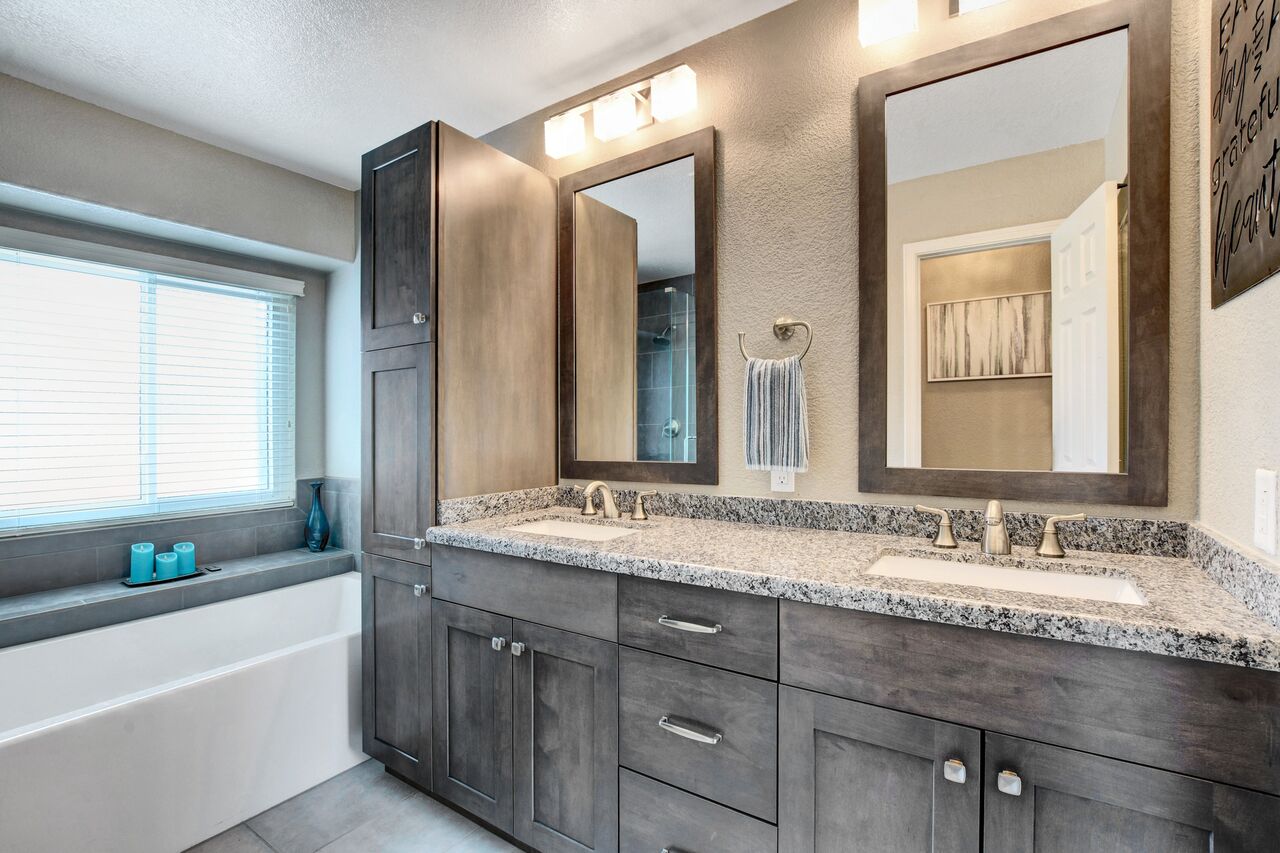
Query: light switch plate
x=1264, y=510
x=782, y=480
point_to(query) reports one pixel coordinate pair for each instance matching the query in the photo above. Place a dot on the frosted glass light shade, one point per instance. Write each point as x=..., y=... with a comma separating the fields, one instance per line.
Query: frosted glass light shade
x=881, y=20
x=564, y=134
x=674, y=93
x=963, y=6
x=614, y=115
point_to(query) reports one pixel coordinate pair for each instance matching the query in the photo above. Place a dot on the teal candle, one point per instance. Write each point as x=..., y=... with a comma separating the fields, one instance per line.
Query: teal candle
x=166, y=566
x=142, y=562
x=186, y=552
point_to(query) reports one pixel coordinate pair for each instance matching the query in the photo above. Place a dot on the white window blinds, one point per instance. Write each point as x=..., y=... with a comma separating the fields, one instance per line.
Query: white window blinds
x=127, y=393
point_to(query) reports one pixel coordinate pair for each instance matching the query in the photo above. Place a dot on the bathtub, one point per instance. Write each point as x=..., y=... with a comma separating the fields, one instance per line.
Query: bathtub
x=157, y=734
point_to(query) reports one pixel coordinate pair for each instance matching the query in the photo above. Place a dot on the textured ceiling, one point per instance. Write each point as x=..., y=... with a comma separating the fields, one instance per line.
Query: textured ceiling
x=1049, y=100
x=312, y=84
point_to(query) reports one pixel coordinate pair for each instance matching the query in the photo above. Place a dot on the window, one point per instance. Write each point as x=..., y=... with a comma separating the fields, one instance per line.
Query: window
x=128, y=393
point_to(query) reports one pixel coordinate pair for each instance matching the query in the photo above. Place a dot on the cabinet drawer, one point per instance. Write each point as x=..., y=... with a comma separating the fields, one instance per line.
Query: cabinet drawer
x=720, y=738
x=658, y=817
x=567, y=597
x=731, y=630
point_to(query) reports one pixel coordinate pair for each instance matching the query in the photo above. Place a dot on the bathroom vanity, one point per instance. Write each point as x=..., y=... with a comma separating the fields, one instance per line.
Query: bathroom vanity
x=705, y=685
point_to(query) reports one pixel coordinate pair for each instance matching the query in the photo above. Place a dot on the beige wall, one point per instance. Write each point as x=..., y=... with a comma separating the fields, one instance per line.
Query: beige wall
x=1239, y=367
x=985, y=424
x=781, y=91
x=56, y=144
x=1042, y=187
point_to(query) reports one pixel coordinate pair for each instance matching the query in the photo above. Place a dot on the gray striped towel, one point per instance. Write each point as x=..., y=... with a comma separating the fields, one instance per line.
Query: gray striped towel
x=775, y=416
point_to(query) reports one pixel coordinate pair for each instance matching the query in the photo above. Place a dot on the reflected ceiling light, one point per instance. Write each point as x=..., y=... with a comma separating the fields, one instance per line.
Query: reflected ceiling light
x=881, y=20
x=673, y=93
x=615, y=115
x=565, y=134
x=959, y=7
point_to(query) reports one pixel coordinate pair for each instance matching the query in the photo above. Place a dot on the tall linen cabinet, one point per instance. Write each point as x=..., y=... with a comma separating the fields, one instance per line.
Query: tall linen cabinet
x=458, y=313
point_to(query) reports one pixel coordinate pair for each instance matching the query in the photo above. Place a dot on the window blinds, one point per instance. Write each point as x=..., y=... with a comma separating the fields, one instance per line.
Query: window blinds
x=127, y=393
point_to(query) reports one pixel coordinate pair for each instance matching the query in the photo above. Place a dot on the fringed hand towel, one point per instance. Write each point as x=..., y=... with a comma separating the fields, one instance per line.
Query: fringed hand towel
x=775, y=417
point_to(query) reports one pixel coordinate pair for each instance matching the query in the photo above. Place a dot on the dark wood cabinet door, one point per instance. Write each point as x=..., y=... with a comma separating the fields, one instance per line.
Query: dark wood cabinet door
x=398, y=484
x=396, y=216
x=1061, y=801
x=471, y=704
x=859, y=777
x=566, y=740
x=396, y=640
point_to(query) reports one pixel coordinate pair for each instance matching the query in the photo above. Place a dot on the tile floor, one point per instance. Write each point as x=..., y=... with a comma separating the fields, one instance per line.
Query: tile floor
x=364, y=810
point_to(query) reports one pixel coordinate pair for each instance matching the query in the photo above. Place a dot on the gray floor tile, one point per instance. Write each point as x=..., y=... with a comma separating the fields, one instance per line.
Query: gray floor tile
x=237, y=839
x=416, y=825
x=330, y=810
x=483, y=842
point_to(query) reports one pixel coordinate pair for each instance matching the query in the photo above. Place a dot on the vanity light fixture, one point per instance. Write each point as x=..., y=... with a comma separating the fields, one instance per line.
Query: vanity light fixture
x=665, y=96
x=959, y=7
x=565, y=134
x=674, y=93
x=881, y=20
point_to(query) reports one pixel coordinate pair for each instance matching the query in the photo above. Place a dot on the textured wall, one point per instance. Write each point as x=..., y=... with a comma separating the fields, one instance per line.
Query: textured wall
x=56, y=144
x=780, y=91
x=1240, y=373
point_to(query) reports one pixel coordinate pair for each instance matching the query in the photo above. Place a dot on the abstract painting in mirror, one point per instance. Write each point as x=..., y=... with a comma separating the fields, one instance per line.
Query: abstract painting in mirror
x=1007, y=226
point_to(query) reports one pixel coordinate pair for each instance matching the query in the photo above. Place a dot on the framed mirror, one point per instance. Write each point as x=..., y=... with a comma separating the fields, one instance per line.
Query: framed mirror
x=1014, y=247
x=637, y=316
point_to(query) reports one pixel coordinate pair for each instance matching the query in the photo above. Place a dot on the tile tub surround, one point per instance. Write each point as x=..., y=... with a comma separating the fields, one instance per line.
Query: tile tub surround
x=1188, y=615
x=1250, y=580
x=341, y=499
x=52, y=613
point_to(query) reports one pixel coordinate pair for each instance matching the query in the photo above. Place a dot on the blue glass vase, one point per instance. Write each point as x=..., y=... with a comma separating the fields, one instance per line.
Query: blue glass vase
x=317, y=534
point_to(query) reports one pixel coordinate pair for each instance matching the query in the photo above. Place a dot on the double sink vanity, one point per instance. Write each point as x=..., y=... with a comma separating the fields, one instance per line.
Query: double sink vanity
x=697, y=684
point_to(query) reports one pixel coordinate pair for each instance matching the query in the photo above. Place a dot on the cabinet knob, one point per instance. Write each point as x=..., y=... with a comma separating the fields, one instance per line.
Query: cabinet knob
x=419, y=589
x=953, y=771
x=419, y=318
x=498, y=643
x=1009, y=783
x=517, y=649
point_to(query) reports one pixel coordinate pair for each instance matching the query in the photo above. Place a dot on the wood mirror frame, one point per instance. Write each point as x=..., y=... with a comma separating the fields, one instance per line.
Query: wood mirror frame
x=705, y=470
x=1146, y=480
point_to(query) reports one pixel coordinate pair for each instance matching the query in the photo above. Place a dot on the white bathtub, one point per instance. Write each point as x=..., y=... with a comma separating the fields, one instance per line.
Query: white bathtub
x=156, y=734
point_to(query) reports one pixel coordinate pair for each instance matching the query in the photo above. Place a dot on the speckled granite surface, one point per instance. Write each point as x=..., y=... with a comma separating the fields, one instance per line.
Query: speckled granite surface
x=1187, y=614
x=1254, y=583
x=458, y=510
x=1151, y=537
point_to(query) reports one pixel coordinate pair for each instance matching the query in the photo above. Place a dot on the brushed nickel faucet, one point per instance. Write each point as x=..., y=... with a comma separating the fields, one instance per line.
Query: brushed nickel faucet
x=1049, y=544
x=945, y=537
x=608, y=506
x=995, y=536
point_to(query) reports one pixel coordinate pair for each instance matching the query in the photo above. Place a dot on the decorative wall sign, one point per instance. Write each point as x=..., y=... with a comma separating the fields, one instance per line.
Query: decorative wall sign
x=1245, y=145
x=999, y=337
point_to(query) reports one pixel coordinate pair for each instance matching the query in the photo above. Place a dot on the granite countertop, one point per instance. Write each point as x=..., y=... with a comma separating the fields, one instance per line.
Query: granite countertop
x=1187, y=615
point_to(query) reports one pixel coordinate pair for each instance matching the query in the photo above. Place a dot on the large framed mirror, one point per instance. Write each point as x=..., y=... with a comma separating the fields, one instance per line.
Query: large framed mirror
x=637, y=316
x=1014, y=252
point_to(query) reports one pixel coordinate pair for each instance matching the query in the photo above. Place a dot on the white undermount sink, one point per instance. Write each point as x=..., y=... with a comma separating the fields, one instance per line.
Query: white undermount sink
x=573, y=530
x=1066, y=585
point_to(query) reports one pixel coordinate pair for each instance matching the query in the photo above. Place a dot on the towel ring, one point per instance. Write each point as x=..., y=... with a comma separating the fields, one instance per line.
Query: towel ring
x=783, y=329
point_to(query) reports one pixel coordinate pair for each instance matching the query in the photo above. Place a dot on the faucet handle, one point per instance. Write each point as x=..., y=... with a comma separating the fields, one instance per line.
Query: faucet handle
x=1050, y=546
x=588, y=505
x=945, y=538
x=637, y=512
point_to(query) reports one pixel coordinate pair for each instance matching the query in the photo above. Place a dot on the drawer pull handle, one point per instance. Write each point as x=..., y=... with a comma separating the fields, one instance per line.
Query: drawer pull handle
x=419, y=589
x=691, y=627
x=1009, y=783
x=953, y=771
x=418, y=544
x=672, y=850
x=685, y=731
x=498, y=643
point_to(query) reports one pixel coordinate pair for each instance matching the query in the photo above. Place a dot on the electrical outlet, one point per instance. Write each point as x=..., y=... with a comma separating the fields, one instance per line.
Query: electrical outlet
x=782, y=480
x=1264, y=510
